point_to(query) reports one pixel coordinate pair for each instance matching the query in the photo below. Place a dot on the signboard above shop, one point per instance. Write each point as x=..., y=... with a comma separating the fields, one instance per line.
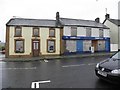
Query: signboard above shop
x=83, y=38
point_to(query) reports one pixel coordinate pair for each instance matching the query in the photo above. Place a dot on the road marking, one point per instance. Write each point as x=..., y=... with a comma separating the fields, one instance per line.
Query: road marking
x=45, y=81
x=19, y=68
x=73, y=65
x=37, y=84
x=91, y=64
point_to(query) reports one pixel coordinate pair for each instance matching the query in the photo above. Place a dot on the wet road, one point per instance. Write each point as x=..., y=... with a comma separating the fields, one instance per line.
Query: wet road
x=72, y=73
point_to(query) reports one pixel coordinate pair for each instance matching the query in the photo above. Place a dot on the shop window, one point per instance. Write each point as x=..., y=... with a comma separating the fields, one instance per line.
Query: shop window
x=51, y=32
x=18, y=31
x=19, y=46
x=51, y=46
x=35, y=32
x=73, y=31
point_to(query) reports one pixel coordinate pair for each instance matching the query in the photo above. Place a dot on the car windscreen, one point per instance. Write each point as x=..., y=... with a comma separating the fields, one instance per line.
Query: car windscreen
x=116, y=56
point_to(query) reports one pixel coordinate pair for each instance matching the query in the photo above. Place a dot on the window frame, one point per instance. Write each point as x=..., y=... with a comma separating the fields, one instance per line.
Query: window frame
x=88, y=33
x=54, y=46
x=75, y=29
x=101, y=31
x=50, y=29
x=33, y=34
x=15, y=35
x=15, y=45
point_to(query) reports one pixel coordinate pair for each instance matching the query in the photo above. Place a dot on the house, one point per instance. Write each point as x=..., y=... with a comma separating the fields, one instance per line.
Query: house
x=2, y=47
x=39, y=37
x=114, y=25
x=80, y=35
x=32, y=37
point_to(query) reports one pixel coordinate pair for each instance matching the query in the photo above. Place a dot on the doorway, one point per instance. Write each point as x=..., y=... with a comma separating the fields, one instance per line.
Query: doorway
x=95, y=45
x=35, y=47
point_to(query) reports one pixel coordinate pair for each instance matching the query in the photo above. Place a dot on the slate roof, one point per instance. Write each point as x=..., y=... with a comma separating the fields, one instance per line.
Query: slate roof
x=52, y=23
x=31, y=22
x=80, y=22
x=115, y=21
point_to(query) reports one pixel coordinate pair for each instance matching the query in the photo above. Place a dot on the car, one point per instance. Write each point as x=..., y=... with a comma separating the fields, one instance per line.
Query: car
x=109, y=69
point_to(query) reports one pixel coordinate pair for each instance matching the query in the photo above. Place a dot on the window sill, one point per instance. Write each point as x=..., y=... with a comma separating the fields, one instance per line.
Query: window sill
x=50, y=52
x=35, y=36
x=19, y=52
x=17, y=36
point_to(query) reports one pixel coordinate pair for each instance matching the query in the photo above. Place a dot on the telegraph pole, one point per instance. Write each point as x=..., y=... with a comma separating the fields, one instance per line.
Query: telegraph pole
x=118, y=29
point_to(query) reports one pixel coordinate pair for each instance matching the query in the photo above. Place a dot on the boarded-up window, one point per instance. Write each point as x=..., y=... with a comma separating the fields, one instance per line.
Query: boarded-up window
x=35, y=32
x=73, y=31
x=51, y=46
x=70, y=45
x=88, y=31
x=51, y=32
x=18, y=31
x=101, y=45
x=19, y=46
x=100, y=32
x=86, y=45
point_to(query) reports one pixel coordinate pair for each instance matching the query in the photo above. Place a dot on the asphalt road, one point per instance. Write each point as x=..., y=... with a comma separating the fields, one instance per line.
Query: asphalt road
x=72, y=73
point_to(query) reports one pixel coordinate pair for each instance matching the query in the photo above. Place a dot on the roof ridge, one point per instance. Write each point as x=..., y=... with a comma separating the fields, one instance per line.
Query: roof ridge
x=34, y=19
x=78, y=19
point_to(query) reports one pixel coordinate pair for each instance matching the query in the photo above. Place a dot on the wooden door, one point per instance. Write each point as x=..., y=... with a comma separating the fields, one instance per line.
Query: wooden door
x=95, y=45
x=35, y=48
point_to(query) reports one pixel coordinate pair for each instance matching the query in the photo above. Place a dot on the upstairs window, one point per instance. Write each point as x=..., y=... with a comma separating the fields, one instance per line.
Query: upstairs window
x=35, y=32
x=100, y=32
x=73, y=31
x=19, y=46
x=51, y=32
x=18, y=31
x=88, y=31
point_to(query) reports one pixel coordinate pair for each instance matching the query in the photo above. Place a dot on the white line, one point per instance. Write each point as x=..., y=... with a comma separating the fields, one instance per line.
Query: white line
x=73, y=65
x=19, y=68
x=45, y=81
x=37, y=84
x=91, y=63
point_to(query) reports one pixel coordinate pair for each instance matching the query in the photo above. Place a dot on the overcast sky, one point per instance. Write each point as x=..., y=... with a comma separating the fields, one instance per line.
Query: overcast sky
x=46, y=9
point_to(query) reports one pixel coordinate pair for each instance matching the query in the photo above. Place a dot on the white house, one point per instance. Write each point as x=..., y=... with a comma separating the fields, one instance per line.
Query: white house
x=114, y=25
x=32, y=37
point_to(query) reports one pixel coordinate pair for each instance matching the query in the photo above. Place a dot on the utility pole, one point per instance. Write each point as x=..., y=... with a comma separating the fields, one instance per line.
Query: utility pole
x=118, y=26
x=106, y=10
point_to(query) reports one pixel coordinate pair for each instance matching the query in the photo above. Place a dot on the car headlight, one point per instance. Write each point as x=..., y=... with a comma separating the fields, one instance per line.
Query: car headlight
x=97, y=66
x=116, y=71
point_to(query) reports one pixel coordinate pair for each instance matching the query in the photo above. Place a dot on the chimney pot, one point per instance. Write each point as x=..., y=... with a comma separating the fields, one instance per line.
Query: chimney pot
x=107, y=16
x=97, y=20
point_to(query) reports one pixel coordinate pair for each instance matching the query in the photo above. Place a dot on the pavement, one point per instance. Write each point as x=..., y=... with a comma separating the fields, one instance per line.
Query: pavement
x=55, y=57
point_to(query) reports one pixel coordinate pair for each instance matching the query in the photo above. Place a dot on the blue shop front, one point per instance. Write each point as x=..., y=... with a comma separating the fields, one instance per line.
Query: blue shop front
x=77, y=44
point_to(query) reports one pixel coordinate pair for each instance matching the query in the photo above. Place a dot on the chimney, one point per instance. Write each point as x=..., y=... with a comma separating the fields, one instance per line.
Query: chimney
x=57, y=19
x=97, y=20
x=107, y=16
